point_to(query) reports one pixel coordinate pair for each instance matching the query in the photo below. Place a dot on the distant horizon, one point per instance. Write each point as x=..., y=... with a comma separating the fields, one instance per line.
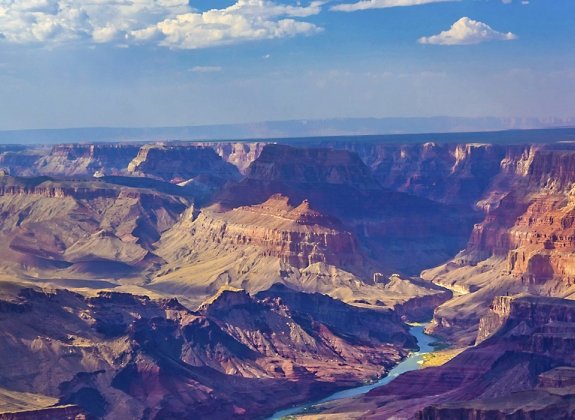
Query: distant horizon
x=294, y=130
x=552, y=119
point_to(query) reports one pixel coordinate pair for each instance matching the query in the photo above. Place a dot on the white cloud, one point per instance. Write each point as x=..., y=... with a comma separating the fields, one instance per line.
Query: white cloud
x=170, y=23
x=465, y=32
x=381, y=4
x=206, y=69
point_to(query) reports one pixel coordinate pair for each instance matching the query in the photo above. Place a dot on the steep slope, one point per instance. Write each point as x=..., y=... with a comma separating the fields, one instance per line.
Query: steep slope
x=85, y=159
x=68, y=160
x=253, y=247
x=181, y=163
x=123, y=356
x=19, y=160
x=521, y=367
x=80, y=229
x=525, y=242
x=316, y=220
x=240, y=155
x=452, y=173
x=403, y=232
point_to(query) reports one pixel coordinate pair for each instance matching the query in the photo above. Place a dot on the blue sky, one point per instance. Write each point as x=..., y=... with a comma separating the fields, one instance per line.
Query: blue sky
x=71, y=63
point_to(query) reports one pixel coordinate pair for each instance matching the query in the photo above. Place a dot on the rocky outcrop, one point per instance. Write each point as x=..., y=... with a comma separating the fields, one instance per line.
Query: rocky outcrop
x=366, y=324
x=240, y=154
x=421, y=308
x=524, y=405
x=67, y=160
x=452, y=173
x=253, y=247
x=327, y=227
x=508, y=312
x=525, y=240
x=337, y=183
x=298, y=236
x=521, y=367
x=18, y=161
x=68, y=412
x=311, y=166
x=86, y=159
x=117, y=355
x=181, y=163
x=81, y=228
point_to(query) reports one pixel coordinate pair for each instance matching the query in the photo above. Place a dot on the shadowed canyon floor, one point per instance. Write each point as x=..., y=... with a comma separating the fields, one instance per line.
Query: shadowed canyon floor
x=234, y=279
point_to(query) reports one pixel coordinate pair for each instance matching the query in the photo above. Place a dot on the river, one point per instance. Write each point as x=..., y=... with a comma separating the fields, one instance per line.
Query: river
x=411, y=362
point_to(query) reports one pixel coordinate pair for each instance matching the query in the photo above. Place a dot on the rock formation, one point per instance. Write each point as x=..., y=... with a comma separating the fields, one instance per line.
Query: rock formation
x=118, y=355
x=521, y=367
x=181, y=163
x=337, y=183
x=452, y=173
x=525, y=243
x=72, y=229
x=315, y=219
x=240, y=155
x=253, y=247
x=342, y=219
x=85, y=159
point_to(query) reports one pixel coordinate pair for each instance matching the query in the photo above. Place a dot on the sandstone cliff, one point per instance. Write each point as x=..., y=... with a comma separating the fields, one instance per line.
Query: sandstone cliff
x=315, y=219
x=521, y=367
x=253, y=247
x=85, y=159
x=404, y=232
x=525, y=242
x=181, y=163
x=240, y=155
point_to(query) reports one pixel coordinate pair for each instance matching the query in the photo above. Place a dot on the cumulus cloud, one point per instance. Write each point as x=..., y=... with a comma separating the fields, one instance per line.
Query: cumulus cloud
x=381, y=4
x=171, y=23
x=465, y=32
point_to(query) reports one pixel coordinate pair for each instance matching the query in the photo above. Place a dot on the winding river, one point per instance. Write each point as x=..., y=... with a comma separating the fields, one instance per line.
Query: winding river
x=411, y=362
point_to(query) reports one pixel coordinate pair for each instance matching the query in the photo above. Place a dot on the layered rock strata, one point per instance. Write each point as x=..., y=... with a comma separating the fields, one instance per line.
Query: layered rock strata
x=521, y=367
x=122, y=356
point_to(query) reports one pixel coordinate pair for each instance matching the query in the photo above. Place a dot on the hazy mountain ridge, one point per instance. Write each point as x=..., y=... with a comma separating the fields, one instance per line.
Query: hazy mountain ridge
x=283, y=129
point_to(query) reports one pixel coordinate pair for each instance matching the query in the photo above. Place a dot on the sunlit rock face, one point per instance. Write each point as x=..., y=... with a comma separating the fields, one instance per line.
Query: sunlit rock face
x=522, y=363
x=240, y=155
x=298, y=235
x=337, y=183
x=86, y=159
x=298, y=254
x=524, y=244
x=181, y=163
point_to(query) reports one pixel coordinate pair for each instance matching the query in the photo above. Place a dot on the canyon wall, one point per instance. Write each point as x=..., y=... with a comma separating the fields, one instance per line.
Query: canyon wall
x=81, y=228
x=117, y=355
x=525, y=242
x=408, y=207
x=521, y=367
x=180, y=163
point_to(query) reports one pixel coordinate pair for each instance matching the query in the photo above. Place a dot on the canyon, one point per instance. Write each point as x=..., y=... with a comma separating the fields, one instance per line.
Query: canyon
x=232, y=279
x=522, y=366
x=121, y=355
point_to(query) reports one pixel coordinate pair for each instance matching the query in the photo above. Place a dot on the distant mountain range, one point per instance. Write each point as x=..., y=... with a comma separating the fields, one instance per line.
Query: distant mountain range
x=282, y=129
